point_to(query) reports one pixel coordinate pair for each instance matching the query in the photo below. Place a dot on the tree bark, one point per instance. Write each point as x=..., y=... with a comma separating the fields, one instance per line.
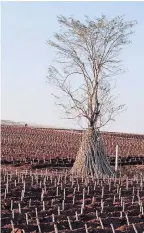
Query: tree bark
x=91, y=158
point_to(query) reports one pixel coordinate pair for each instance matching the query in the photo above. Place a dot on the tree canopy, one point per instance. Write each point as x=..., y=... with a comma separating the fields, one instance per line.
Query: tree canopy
x=88, y=53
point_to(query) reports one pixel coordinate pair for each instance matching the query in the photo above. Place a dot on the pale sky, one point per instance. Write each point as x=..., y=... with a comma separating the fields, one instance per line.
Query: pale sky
x=26, y=97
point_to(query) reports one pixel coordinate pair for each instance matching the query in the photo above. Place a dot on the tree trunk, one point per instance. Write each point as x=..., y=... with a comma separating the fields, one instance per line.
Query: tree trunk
x=91, y=158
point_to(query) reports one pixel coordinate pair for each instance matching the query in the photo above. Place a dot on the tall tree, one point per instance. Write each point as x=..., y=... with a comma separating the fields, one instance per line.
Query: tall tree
x=88, y=59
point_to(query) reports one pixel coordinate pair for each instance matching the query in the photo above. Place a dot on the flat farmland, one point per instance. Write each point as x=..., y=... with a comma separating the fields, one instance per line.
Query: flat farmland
x=38, y=194
x=19, y=142
x=53, y=201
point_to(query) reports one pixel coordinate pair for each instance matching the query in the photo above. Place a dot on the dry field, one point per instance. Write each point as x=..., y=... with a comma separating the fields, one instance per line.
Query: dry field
x=35, y=197
x=52, y=201
x=19, y=142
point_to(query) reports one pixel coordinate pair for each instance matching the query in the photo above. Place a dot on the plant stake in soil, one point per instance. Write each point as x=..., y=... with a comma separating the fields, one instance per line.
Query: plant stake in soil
x=86, y=228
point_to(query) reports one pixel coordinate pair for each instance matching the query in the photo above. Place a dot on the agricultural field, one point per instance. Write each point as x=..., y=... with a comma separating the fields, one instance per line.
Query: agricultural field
x=39, y=195
x=53, y=201
x=28, y=143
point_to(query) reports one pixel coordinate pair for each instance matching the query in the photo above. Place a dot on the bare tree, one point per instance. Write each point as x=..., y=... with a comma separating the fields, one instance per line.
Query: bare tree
x=88, y=59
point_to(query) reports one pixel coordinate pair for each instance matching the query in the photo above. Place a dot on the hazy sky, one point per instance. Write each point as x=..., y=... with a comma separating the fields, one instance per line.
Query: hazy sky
x=25, y=59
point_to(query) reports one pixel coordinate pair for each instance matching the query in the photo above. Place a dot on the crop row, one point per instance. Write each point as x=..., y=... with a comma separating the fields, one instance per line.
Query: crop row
x=65, y=162
x=18, y=142
x=52, y=202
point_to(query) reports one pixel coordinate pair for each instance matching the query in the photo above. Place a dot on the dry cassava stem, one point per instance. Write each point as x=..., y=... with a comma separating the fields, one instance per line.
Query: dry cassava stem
x=102, y=206
x=76, y=214
x=110, y=185
x=69, y=222
x=121, y=201
x=12, y=214
x=114, y=199
x=7, y=186
x=11, y=205
x=91, y=159
x=63, y=204
x=57, y=191
x=134, y=227
x=52, y=201
x=26, y=218
x=112, y=227
x=119, y=193
x=43, y=206
x=73, y=199
x=127, y=183
x=142, y=210
x=93, y=200
x=40, y=184
x=58, y=210
x=94, y=185
x=5, y=194
x=61, y=186
x=19, y=206
x=102, y=195
x=128, y=223
x=86, y=228
x=97, y=215
x=133, y=191
x=88, y=191
x=78, y=188
x=36, y=213
x=12, y=224
x=74, y=191
x=133, y=199
x=24, y=186
x=53, y=218
x=82, y=208
x=83, y=197
x=101, y=223
x=38, y=224
x=42, y=195
x=22, y=195
x=29, y=202
x=55, y=228
x=64, y=193
x=123, y=206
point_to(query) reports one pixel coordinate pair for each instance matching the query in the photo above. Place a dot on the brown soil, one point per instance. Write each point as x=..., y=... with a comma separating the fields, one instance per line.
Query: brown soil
x=48, y=180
